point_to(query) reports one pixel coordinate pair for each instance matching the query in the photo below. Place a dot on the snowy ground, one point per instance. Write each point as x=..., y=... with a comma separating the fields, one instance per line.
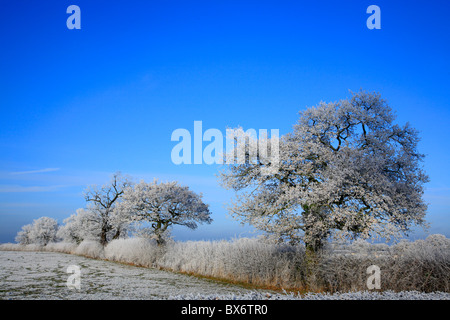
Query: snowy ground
x=43, y=275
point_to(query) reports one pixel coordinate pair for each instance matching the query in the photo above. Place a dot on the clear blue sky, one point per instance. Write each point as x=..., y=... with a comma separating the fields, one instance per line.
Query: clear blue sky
x=78, y=105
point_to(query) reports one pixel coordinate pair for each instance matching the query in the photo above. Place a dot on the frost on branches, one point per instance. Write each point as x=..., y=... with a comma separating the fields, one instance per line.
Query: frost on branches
x=84, y=225
x=162, y=205
x=103, y=201
x=345, y=171
x=41, y=231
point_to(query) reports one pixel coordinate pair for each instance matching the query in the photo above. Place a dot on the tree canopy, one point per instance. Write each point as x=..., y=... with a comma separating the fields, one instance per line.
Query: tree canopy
x=346, y=170
x=163, y=205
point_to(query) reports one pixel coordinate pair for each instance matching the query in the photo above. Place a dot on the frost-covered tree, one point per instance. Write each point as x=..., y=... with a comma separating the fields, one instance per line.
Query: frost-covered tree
x=23, y=236
x=163, y=205
x=103, y=201
x=346, y=170
x=44, y=231
x=83, y=225
x=41, y=232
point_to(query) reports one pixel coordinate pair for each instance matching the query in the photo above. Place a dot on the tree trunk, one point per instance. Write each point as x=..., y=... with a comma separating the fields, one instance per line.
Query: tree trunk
x=315, y=245
x=313, y=249
x=103, y=238
x=312, y=269
x=117, y=234
x=159, y=240
x=314, y=236
x=160, y=228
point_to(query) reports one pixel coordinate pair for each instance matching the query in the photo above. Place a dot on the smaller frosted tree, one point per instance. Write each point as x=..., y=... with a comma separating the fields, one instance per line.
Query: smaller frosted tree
x=83, y=225
x=44, y=231
x=41, y=232
x=23, y=236
x=103, y=201
x=163, y=205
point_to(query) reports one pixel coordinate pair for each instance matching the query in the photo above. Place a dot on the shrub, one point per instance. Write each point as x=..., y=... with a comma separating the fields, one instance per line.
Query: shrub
x=137, y=251
x=90, y=249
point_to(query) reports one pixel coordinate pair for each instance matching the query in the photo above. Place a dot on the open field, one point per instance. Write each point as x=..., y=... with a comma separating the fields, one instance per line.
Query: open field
x=43, y=275
x=238, y=269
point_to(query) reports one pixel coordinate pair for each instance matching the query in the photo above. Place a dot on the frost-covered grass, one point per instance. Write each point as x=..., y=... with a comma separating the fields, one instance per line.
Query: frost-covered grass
x=43, y=276
x=136, y=251
x=359, y=295
x=419, y=266
x=422, y=265
x=241, y=260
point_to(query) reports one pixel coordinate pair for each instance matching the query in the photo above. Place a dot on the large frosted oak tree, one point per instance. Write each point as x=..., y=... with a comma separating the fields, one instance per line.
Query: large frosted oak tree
x=347, y=170
x=162, y=205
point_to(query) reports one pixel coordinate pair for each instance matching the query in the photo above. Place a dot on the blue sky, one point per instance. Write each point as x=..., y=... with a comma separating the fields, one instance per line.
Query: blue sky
x=78, y=105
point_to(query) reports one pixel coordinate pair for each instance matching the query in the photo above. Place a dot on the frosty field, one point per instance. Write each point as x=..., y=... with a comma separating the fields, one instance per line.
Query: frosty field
x=43, y=275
